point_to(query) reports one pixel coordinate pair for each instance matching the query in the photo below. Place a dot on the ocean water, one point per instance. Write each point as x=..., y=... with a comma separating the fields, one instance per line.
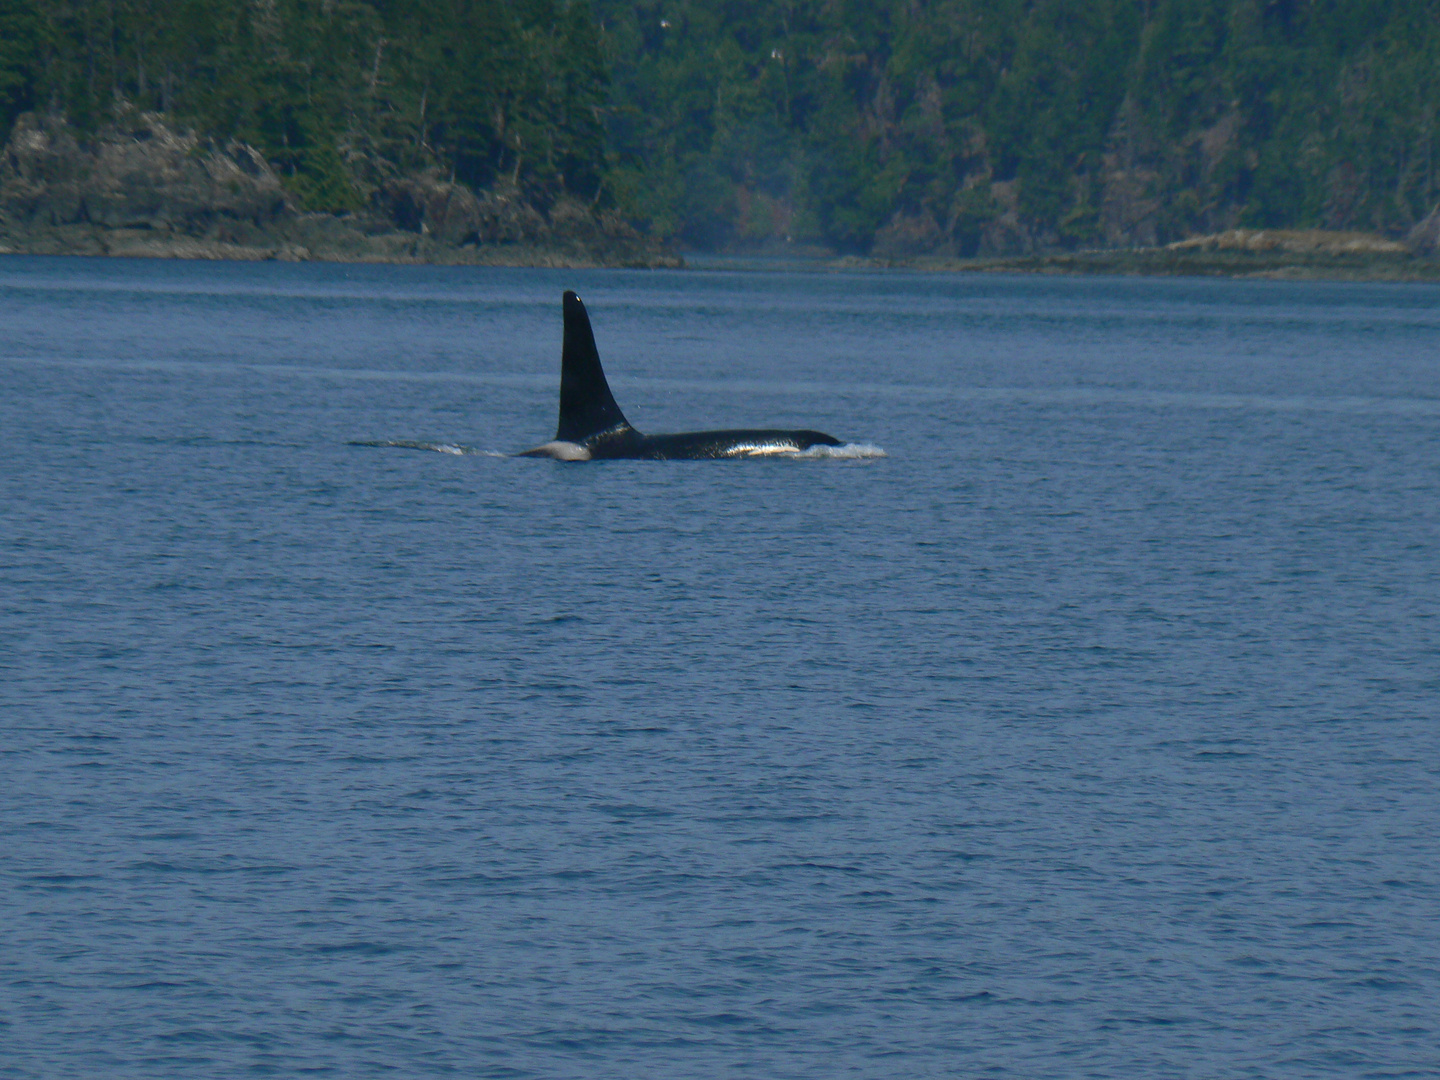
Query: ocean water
x=1091, y=732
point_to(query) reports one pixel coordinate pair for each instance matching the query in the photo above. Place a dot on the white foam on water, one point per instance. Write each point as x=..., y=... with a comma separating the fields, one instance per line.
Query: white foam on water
x=847, y=452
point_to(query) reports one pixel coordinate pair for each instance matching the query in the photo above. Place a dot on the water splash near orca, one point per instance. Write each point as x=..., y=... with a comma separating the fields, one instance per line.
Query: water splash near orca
x=843, y=452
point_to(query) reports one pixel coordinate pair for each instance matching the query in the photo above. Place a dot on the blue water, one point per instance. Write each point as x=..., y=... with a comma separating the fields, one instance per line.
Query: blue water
x=1090, y=733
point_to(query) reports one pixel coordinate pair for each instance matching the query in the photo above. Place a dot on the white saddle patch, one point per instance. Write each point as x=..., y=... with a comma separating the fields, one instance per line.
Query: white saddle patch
x=560, y=451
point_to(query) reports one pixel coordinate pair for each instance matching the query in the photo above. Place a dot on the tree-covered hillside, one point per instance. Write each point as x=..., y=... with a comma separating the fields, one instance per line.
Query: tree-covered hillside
x=1018, y=124
x=339, y=94
x=892, y=126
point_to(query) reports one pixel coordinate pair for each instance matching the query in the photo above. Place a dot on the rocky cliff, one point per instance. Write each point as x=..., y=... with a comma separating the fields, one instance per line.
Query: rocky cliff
x=143, y=186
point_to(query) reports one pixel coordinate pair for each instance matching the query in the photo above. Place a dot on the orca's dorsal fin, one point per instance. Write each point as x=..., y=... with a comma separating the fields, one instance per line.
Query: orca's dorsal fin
x=586, y=405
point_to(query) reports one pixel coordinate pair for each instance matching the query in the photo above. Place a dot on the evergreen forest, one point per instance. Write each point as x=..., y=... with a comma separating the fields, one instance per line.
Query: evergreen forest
x=865, y=126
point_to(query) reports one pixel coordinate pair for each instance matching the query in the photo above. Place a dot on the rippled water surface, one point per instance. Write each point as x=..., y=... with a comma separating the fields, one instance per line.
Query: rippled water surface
x=1091, y=733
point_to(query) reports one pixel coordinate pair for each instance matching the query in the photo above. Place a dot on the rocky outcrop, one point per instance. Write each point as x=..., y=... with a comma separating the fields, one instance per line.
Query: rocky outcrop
x=1424, y=238
x=451, y=213
x=905, y=236
x=137, y=173
x=454, y=214
x=1323, y=242
x=142, y=186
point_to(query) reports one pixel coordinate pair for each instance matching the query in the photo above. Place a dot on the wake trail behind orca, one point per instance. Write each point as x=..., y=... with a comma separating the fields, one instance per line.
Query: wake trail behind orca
x=437, y=447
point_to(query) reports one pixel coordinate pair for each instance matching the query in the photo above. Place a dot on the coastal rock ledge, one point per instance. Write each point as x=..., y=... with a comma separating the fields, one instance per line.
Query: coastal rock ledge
x=141, y=186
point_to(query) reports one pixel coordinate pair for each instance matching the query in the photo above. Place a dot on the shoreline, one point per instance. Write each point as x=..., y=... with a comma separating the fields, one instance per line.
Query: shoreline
x=333, y=241
x=1279, y=265
x=321, y=238
x=1153, y=262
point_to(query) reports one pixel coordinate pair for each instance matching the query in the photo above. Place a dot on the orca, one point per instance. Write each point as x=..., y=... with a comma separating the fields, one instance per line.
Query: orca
x=592, y=427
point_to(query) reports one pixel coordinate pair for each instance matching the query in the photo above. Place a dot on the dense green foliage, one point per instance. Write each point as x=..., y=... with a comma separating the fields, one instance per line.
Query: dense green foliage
x=1021, y=123
x=19, y=49
x=338, y=93
x=957, y=125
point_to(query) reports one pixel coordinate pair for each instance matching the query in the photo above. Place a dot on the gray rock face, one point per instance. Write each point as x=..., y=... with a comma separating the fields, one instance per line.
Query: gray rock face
x=136, y=173
x=454, y=214
x=1424, y=238
x=142, y=187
